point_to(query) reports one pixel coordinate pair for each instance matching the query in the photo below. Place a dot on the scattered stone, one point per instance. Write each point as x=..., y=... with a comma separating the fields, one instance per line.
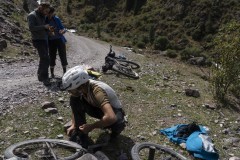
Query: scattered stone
x=26, y=132
x=47, y=104
x=3, y=44
x=210, y=106
x=192, y=93
x=154, y=133
x=234, y=158
x=232, y=141
x=200, y=61
x=173, y=105
x=183, y=145
x=60, y=119
x=61, y=100
x=51, y=110
x=60, y=136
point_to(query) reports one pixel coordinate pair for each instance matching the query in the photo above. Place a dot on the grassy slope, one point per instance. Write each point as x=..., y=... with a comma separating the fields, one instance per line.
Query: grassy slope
x=147, y=103
x=184, y=23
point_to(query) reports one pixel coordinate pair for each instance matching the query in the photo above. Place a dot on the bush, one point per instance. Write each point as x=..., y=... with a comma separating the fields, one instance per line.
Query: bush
x=141, y=45
x=188, y=53
x=161, y=43
x=171, y=53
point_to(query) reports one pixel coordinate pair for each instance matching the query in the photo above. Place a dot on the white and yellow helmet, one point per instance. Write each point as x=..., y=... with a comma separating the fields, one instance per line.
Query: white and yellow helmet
x=74, y=77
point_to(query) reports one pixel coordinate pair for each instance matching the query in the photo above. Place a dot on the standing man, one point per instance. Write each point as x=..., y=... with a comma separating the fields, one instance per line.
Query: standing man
x=95, y=98
x=39, y=32
x=56, y=41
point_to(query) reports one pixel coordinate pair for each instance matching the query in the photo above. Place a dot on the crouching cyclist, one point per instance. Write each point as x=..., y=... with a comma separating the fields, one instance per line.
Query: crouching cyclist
x=94, y=98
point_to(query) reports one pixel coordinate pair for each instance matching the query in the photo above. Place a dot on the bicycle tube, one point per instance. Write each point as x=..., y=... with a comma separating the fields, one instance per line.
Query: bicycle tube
x=139, y=146
x=125, y=71
x=134, y=65
x=9, y=152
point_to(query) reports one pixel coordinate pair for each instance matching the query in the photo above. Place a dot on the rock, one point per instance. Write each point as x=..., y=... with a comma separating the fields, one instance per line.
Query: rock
x=3, y=44
x=192, y=93
x=60, y=119
x=232, y=141
x=234, y=158
x=200, y=61
x=51, y=110
x=60, y=136
x=210, y=106
x=183, y=145
x=47, y=104
x=61, y=100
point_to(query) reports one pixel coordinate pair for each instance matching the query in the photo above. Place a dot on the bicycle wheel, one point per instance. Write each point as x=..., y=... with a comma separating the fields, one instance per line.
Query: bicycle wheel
x=45, y=149
x=142, y=151
x=125, y=71
x=126, y=63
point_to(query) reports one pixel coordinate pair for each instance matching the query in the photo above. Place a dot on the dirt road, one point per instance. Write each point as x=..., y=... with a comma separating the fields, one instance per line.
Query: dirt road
x=18, y=80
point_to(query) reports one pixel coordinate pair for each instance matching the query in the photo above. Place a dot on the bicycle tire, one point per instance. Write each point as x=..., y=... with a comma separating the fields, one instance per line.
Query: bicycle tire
x=133, y=65
x=139, y=146
x=125, y=71
x=9, y=152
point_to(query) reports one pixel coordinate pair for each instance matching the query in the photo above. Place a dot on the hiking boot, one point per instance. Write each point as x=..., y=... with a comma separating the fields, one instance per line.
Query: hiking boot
x=47, y=82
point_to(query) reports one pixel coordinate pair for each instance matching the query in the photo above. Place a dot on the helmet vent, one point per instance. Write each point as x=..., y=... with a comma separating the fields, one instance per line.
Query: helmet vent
x=75, y=78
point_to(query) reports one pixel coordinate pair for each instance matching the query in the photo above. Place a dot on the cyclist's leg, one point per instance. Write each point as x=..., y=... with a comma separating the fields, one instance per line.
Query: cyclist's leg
x=119, y=125
x=79, y=111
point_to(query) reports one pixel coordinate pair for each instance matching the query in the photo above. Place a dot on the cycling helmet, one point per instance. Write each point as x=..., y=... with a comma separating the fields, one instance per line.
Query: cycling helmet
x=74, y=77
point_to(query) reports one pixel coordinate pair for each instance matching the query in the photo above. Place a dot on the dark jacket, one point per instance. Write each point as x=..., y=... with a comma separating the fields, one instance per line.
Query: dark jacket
x=36, y=22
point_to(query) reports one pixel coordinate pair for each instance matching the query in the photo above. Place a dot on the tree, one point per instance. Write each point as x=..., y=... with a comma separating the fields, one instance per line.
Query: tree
x=226, y=72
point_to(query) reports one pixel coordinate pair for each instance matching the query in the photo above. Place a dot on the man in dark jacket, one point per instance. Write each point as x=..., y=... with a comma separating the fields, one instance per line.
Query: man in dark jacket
x=39, y=29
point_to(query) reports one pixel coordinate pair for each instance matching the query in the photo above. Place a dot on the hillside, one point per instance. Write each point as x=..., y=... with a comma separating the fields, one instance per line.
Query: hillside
x=143, y=24
x=155, y=101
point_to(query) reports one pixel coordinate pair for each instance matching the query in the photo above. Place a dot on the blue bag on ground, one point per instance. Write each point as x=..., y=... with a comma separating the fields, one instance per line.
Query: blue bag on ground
x=195, y=136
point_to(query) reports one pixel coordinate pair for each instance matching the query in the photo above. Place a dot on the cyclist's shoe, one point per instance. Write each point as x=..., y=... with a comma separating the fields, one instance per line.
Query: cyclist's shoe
x=80, y=138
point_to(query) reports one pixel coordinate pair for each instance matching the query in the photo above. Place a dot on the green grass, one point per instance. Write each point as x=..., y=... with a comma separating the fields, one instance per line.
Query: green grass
x=147, y=103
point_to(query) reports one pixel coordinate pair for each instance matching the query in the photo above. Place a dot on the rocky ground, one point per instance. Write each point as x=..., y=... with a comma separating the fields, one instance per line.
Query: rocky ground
x=18, y=81
x=167, y=93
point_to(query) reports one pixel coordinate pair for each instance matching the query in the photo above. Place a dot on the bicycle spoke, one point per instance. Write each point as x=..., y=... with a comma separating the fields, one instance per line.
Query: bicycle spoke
x=53, y=154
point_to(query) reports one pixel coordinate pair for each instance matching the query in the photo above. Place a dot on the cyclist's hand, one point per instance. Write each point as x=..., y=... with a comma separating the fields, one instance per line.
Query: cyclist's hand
x=86, y=128
x=70, y=130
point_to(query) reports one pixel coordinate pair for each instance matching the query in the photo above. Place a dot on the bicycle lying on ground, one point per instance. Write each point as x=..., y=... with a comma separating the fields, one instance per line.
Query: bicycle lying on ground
x=151, y=151
x=120, y=64
x=51, y=149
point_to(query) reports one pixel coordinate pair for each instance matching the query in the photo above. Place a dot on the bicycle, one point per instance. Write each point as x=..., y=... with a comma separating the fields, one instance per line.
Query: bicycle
x=52, y=149
x=120, y=64
x=151, y=151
